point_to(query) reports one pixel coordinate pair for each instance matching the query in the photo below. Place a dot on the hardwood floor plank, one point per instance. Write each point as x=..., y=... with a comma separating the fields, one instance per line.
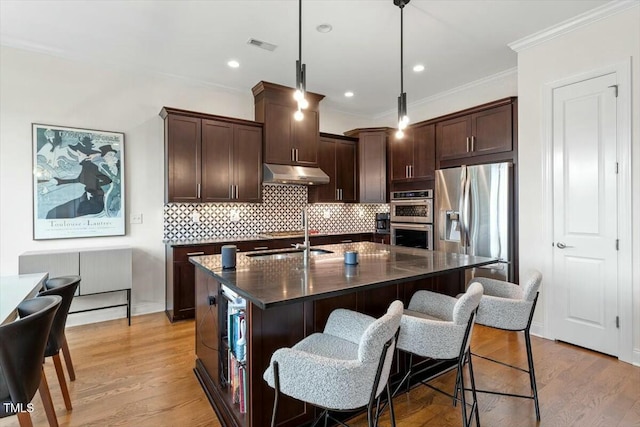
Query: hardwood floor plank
x=143, y=376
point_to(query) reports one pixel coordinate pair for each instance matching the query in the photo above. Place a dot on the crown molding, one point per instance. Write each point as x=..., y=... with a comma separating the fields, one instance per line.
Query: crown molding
x=589, y=17
x=480, y=82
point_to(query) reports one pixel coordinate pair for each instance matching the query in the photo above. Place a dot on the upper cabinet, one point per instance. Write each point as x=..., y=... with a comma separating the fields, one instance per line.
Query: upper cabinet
x=337, y=157
x=372, y=164
x=211, y=158
x=287, y=141
x=470, y=135
x=413, y=156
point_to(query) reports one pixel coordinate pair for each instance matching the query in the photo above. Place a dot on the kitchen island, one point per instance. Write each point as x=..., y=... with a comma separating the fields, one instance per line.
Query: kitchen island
x=283, y=299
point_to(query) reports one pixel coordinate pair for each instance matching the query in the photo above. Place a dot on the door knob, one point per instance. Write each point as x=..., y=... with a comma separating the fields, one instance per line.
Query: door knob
x=561, y=245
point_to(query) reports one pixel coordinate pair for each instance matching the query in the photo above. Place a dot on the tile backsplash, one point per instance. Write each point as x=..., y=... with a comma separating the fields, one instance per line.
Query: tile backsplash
x=280, y=210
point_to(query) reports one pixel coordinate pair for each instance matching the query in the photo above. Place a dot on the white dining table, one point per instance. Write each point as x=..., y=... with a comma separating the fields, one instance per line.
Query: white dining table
x=15, y=289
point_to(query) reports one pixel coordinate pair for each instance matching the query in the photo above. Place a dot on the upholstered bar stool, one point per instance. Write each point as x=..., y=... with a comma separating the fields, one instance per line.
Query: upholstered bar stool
x=510, y=307
x=21, y=353
x=439, y=327
x=65, y=287
x=344, y=368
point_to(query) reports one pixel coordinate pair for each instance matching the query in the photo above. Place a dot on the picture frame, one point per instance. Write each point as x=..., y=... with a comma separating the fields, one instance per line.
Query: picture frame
x=78, y=182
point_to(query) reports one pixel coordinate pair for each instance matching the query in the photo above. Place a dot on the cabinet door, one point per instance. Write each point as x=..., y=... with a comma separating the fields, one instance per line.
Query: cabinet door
x=247, y=160
x=217, y=160
x=327, y=162
x=278, y=134
x=346, y=170
x=372, y=158
x=305, y=138
x=424, y=149
x=183, y=290
x=452, y=138
x=182, y=150
x=401, y=152
x=492, y=131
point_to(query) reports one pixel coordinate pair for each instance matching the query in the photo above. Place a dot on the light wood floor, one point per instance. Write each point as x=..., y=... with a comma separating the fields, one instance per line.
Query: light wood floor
x=142, y=376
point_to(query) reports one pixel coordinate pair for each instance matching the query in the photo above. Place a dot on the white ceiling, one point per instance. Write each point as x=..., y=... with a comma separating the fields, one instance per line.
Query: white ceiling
x=459, y=41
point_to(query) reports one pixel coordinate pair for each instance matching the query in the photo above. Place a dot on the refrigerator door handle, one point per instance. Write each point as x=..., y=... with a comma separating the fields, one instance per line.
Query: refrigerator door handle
x=467, y=211
x=461, y=207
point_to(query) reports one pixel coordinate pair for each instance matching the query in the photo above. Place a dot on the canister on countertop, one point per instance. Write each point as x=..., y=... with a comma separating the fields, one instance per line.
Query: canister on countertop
x=228, y=257
x=351, y=257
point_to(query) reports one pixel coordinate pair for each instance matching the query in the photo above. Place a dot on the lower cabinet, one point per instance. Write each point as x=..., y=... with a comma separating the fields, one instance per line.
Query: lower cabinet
x=236, y=389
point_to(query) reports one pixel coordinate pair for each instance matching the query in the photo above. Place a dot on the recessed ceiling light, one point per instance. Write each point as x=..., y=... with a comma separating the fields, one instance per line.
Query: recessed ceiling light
x=418, y=68
x=233, y=64
x=324, y=28
x=348, y=94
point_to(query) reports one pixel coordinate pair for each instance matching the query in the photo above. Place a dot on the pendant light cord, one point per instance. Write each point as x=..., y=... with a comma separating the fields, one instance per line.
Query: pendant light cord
x=401, y=48
x=300, y=31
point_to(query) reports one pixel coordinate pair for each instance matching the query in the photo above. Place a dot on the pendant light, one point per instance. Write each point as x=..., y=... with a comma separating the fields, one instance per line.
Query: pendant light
x=301, y=71
x=403, y=119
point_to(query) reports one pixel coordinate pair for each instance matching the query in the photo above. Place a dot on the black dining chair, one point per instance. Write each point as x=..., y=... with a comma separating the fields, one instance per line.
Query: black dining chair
x=21, y=354
x=65, y=287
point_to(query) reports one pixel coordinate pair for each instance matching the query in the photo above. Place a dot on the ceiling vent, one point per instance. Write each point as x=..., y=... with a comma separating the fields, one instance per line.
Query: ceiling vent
x=262, y=45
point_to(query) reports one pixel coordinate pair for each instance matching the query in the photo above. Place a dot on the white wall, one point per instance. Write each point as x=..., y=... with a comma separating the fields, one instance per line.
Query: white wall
x=600, y=44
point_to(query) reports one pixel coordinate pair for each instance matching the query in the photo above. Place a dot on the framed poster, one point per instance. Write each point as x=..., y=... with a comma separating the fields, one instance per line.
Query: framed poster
x=78, y=182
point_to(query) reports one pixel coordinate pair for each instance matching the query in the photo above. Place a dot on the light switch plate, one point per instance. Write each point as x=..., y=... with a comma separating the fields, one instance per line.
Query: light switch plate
x=136, y=218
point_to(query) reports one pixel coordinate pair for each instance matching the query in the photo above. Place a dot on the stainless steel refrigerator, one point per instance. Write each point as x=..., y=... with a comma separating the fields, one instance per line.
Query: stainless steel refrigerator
x=474, y=215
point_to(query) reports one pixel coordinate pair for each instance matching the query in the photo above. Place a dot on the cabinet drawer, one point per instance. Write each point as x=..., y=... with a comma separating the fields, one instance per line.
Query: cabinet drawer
x=183, y=253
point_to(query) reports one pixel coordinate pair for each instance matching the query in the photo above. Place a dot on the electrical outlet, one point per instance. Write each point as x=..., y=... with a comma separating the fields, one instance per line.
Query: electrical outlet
x=195, y=216
x=136, y=218
x=234, y=215
x=326, y=214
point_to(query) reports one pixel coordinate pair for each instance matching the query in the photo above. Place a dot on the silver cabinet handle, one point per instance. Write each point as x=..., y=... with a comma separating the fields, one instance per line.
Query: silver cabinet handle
x=260, y=248
x=293, y=159
x=561, y=245
x=406, y=171
x=194, y=253
x=236, y=196
x=410, y=171
x=467, y=144
x=297, y=155
x=473, y=140
x=198, y=191
x=346, y=241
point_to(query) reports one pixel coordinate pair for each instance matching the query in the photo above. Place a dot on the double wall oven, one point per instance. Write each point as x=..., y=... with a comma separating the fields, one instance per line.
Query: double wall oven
x=412, y=218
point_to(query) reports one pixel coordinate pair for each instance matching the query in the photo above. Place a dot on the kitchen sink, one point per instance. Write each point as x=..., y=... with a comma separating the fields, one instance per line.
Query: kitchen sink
x=288, y=253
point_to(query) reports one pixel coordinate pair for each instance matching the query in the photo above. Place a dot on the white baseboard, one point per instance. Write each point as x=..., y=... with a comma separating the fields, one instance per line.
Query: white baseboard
x=113, y=313
x=636, y=357
x=537, y=329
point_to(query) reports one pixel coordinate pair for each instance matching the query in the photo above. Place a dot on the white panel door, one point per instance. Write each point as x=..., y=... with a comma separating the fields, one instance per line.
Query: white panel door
x=585, y=281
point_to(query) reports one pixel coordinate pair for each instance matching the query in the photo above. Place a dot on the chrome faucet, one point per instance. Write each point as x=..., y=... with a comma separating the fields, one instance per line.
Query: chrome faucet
x=305, y=224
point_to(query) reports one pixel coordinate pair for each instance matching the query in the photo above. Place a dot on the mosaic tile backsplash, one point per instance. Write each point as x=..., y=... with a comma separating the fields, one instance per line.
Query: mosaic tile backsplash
x=280, y=210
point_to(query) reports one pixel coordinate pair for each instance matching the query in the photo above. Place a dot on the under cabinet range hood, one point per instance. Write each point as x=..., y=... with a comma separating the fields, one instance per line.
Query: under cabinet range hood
x=299, y=175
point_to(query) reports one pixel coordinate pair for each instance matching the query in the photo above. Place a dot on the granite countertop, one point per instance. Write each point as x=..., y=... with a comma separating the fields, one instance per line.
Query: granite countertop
x=268, y=282
x=257, y=237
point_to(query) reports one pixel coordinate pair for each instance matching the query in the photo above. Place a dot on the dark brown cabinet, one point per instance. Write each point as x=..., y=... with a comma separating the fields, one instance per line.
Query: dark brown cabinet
x=413, y=156
x=337, y=158
x=372, y=164
x=287, y=141
x=211, y=158
x=232, y=162
x=182, y=142
x=180, y=279
x=485, y=132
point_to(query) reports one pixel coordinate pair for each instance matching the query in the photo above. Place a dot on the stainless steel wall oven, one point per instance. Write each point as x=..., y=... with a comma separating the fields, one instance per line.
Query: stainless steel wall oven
x=412, y=218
